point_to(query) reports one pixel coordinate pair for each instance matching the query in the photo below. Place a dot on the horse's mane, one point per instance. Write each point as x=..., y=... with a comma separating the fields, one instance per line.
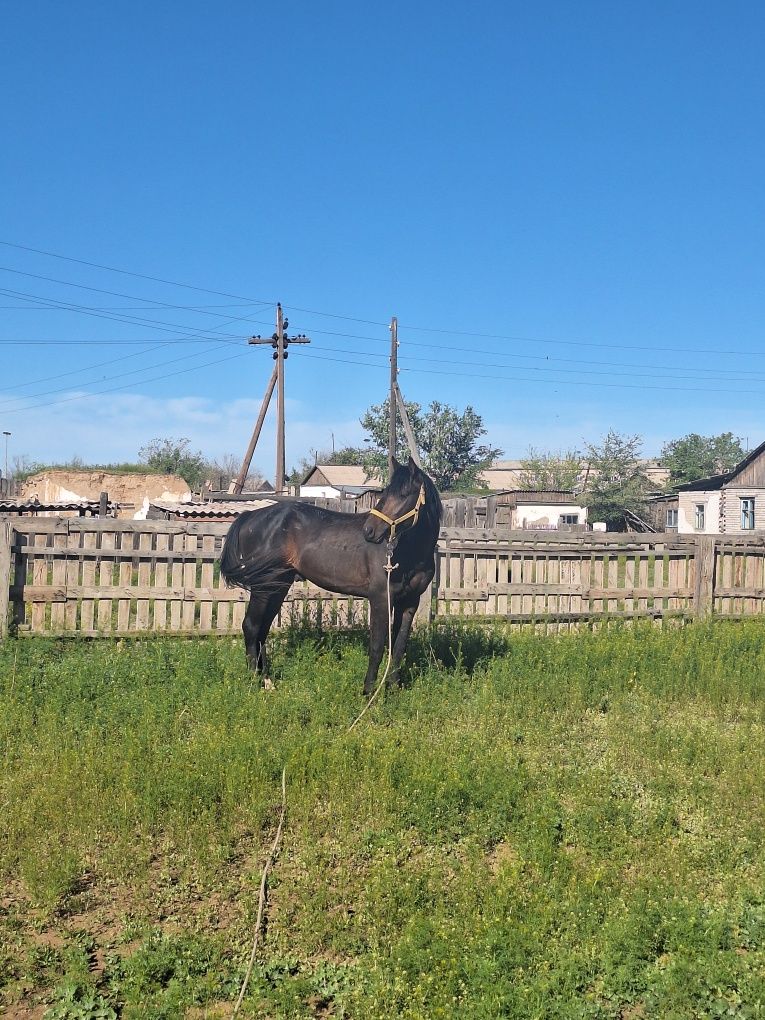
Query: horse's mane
x=433, y=509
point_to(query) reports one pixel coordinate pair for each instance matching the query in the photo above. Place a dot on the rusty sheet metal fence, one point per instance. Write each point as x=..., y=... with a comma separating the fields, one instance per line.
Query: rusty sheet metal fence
x=117, y=577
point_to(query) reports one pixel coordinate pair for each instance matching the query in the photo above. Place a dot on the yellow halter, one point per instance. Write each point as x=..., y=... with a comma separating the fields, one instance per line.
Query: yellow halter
x=414, y=512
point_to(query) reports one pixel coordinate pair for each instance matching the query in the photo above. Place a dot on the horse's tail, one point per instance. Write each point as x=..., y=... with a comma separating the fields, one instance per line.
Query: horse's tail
x=256, y=568
x=236, y=571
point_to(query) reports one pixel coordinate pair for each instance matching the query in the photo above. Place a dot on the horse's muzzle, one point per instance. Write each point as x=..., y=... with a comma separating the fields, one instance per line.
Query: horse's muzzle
x=370, y=531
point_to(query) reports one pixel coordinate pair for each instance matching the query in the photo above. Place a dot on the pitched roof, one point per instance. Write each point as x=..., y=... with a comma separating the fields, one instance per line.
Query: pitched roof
x=341, y=475
x=717, y=481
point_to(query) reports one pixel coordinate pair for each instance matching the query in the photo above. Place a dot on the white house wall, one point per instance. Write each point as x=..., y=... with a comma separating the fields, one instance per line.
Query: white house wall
x=686, y=512
x=544, y=515
x=320, y=491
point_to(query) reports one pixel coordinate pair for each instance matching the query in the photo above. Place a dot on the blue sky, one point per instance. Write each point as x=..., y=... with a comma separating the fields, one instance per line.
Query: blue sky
x=563, y=205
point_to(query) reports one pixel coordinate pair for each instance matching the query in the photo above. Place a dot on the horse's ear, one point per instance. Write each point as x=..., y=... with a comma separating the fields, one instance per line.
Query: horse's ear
x=413, y=469
x=395, y=463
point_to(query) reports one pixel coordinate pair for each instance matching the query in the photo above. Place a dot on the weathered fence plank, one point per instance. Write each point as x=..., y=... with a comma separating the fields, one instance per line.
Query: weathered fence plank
x=6, y=545
x=705, y=576
x=122, y=577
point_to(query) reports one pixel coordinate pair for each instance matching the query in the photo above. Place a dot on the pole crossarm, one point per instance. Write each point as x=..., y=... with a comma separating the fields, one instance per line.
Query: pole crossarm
x=279, y=341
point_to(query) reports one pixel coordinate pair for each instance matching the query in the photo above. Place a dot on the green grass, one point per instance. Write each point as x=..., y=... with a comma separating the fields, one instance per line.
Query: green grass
x=537, y=827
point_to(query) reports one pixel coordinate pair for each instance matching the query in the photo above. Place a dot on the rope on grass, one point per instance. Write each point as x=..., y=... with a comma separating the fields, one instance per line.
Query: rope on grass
x=389, y=568
x=262, y=896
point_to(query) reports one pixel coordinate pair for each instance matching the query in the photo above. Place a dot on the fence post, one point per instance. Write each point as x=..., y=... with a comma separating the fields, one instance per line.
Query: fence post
x=6, y=537
x=704, y=594
x=424, y=613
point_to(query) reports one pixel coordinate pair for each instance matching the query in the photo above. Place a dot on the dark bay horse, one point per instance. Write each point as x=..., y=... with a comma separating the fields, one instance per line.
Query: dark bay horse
x=265, y=550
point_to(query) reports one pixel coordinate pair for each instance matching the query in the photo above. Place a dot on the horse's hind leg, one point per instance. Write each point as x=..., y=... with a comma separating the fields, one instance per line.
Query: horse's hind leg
x=261, y=612
x=274, y=602
x=251, y=628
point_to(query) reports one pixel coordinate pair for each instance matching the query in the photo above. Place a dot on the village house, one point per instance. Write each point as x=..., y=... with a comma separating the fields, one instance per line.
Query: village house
x=544, y=509
x=732, y=503
x=332, y=481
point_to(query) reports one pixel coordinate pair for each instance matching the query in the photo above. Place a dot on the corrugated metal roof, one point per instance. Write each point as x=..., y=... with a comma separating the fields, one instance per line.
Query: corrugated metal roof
x=35, y=506
x=213, y=510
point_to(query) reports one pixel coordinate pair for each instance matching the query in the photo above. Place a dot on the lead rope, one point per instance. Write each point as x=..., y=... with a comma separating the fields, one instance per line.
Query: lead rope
x=388, y=568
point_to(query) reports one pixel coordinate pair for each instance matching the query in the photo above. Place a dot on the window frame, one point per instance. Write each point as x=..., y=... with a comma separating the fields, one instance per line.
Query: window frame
x=747, y=513
x=700, y=517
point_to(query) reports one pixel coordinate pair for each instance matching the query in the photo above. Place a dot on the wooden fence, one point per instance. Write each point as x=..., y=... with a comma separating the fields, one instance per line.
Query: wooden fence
x=563, y=577
x=116, y=577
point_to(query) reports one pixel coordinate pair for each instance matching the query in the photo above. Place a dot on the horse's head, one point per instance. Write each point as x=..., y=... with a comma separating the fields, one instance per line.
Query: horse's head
x=399, y=505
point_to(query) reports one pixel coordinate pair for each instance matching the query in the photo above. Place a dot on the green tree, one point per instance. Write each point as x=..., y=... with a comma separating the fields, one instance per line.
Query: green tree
x=560, y=470
x=694, y=456
x=175, y=457
x=447, y=442
x=616, y=482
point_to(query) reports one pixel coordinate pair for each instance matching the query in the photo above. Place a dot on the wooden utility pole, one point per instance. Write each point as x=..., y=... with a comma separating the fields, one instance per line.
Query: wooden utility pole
x=237, y=485
x=280, y=342
x=407, y=428
x=397, y=402
x=392, y=399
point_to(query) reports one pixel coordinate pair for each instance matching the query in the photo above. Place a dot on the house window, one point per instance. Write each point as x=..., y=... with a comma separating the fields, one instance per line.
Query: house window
x=569, y=518
x=699, y=519
x=747, y=513
x=672, y=519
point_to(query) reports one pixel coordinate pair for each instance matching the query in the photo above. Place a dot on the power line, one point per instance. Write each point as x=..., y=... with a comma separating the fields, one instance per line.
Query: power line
x=113, y=389
x=138, y=276
x=695, y=351
x=629, y=369
x=134, y=308
x=546, y=382
x=533, y=357
x=85, y=368
x=110, y=293
x=130, y=320
x=577, y=382
x=576, y=371
x=119, y=375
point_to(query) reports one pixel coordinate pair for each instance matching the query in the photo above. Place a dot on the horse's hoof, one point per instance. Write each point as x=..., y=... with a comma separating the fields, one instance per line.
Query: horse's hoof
x=268, y=684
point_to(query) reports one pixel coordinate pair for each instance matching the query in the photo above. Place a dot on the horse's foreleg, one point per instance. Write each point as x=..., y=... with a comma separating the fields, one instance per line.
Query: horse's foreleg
x=378, y=637
x=402, y=626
